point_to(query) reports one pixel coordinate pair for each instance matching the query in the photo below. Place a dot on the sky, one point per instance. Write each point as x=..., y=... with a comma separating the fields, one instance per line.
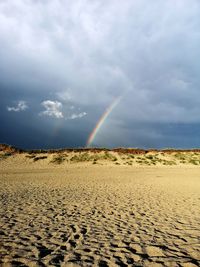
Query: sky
x=64, y=63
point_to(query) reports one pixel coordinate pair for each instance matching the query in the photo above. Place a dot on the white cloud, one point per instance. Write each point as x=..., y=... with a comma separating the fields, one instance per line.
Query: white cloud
x=55, y=109
x=64, y=95
x=52, y=109
x=21, y=106
x=77, y=116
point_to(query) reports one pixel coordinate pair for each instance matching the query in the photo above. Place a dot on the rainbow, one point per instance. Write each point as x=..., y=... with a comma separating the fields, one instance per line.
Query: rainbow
x=102, y=120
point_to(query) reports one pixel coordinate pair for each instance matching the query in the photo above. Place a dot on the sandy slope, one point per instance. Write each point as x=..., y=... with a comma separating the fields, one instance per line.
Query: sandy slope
x=91, y=215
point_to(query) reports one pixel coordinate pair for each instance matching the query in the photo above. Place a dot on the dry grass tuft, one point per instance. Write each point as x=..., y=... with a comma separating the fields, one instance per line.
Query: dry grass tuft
x=58, y=159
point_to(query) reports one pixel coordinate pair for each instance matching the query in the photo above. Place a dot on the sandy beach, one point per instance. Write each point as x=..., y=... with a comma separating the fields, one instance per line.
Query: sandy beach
x=83, y=214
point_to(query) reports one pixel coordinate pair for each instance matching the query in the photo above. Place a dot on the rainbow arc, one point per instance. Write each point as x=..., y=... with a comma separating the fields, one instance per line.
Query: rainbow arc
x=101, y=121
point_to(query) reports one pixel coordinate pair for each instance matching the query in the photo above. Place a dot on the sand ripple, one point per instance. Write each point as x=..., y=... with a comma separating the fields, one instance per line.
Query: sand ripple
x=100, y=216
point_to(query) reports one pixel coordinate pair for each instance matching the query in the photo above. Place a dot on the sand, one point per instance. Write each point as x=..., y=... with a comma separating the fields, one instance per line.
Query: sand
x=98, y=215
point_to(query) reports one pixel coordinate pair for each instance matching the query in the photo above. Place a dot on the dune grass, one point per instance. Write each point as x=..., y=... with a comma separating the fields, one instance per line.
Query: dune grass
x=58, y=159
x=86, y=157
x=151, y=158
x=5, y=155
x=39, y=158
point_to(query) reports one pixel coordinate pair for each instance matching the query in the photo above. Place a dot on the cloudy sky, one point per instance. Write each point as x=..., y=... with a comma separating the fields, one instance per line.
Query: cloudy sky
x=63, y=63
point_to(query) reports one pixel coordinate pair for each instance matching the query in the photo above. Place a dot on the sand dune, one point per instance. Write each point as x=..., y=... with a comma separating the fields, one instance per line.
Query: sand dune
x=98, y=215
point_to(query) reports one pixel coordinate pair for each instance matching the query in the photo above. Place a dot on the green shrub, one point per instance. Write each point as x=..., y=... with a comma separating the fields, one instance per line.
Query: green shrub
x=30, y=156
x=5, y=155
x=58, y=159
x=149, y=157
x=39, y=158
x=81, y=157
x=84, y=157
x=180, y=156
x=194, y=162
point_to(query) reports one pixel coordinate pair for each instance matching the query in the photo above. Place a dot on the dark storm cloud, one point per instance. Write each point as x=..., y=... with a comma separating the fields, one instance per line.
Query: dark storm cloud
x=83, y=54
